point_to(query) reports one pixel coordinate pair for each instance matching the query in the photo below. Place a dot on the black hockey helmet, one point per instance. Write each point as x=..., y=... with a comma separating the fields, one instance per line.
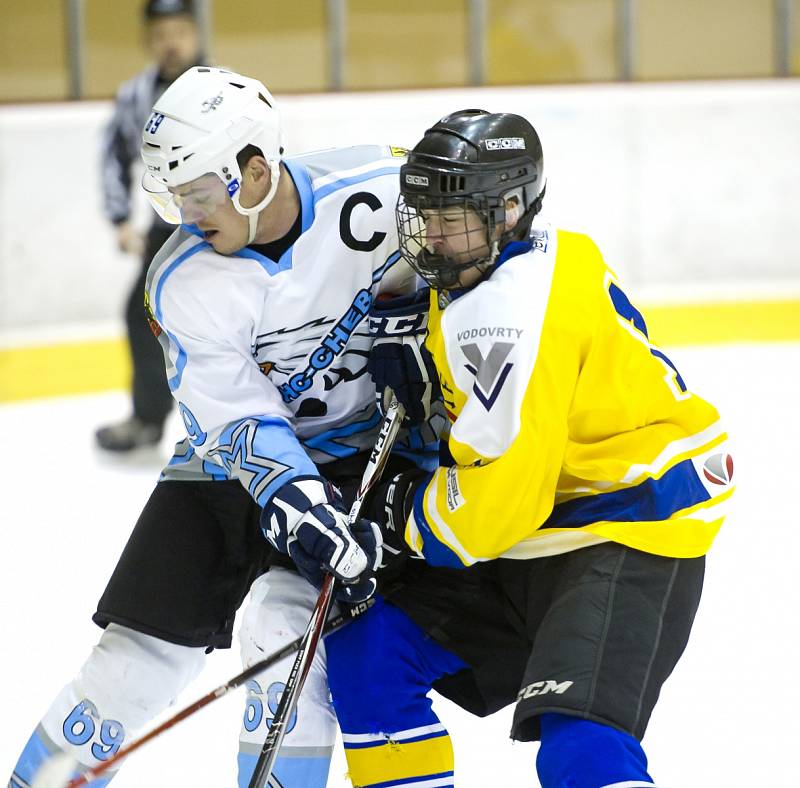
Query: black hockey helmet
x=156, y=9
x=474, y=160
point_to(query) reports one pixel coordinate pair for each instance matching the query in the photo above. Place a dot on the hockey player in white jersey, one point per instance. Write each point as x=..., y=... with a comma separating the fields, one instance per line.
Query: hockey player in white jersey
x=259, y=300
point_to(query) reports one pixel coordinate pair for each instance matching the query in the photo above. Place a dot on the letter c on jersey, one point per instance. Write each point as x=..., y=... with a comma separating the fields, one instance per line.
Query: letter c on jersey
x=345, y=230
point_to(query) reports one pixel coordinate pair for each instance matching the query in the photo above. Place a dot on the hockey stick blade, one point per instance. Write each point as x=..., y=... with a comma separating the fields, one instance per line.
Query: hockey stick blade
x=55, y=773
x=305, y=656
x=64, y=765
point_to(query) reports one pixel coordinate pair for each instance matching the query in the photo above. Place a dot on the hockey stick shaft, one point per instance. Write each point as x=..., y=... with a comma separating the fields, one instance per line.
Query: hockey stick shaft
x=294, y=684
x=380, y=454
x=305, y=656
x=335, y=623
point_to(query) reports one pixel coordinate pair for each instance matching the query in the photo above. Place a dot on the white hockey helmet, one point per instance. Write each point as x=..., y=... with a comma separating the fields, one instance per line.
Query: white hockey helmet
x=195, y=131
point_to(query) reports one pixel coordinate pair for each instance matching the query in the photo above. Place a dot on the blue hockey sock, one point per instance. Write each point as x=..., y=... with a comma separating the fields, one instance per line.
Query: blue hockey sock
x=381, y=668
x=578, y=753
x=38, y=750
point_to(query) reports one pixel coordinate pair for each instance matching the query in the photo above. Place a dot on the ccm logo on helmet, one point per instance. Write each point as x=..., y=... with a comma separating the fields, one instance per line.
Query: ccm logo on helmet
x=505, y=143
x=416, y=180
x=212, y=103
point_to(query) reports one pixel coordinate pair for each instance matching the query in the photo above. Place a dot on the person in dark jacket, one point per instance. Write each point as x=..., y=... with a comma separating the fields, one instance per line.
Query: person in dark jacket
x=174, y=44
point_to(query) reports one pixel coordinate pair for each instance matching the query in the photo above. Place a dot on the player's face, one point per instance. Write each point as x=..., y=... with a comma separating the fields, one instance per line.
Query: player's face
x=173, y=43
x=459, y=235
x=205, y=203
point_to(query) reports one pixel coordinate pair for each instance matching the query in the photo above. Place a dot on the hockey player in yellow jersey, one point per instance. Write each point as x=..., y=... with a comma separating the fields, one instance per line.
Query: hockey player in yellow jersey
x=582, y=484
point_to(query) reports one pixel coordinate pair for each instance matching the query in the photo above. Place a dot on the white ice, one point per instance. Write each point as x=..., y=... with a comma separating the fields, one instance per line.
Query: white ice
x=727, y=716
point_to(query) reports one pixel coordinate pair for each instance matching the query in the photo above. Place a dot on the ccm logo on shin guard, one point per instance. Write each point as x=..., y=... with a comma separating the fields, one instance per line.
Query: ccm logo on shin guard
x=543, y=687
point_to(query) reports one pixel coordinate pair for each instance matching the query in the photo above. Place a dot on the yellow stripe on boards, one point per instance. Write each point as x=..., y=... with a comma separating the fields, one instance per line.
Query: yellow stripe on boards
x=398, y=760
x=102, y=365
x=63, y=369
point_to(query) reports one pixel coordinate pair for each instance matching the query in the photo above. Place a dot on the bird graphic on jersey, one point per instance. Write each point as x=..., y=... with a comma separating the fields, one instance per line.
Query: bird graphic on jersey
x=352, y=359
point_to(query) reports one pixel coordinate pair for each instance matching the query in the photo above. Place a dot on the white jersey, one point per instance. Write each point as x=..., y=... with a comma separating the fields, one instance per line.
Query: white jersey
x=267, y=358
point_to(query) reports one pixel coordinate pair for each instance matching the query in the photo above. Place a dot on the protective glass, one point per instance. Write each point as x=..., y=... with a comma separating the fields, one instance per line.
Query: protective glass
x=191, y=202
x=440, y=241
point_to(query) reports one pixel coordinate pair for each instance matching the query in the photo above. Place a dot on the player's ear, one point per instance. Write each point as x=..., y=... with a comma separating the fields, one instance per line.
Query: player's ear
x=256, y=176
x=512, y=211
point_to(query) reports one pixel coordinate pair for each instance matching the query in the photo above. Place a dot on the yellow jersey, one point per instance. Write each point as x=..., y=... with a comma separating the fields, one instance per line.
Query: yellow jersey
x=568, y=427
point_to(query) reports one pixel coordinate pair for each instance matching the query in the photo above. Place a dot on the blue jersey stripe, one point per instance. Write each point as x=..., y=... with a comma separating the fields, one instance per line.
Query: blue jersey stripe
x=193, y=229
x=213, y=470
x=412, y=780
x=365, y=745
x=267, y=449
x=436, y=553
x=652, y=500
x=270, y=266
x=390, y=261
x=302, y=181
x=180, y=459
x=326, y=441
x=329, y=188
x=180, y=362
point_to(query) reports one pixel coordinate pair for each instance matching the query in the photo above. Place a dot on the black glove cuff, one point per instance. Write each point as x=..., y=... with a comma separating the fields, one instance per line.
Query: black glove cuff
x=392, y=506
x=405, y=487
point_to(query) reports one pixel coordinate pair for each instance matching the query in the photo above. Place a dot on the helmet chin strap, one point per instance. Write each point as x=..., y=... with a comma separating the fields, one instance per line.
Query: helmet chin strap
x=253, y=213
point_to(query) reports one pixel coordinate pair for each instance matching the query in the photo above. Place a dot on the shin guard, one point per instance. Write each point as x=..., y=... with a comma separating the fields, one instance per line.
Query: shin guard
x=279, y=610
x=127, y=680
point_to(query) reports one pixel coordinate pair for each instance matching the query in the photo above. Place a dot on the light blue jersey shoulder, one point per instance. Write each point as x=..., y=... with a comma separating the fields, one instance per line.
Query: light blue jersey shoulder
x=328, y=171
x=341, y=162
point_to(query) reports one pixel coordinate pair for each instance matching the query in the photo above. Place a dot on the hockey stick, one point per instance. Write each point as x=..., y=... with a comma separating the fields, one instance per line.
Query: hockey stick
x=305, y=655
x=58, y=779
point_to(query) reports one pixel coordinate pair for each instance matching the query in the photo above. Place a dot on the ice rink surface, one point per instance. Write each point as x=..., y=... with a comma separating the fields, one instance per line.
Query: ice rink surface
x=728, y=714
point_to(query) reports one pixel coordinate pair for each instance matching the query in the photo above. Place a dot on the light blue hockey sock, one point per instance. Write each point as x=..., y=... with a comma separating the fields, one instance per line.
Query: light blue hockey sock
x=578, y=753
x=299, y=770
x=37, y=751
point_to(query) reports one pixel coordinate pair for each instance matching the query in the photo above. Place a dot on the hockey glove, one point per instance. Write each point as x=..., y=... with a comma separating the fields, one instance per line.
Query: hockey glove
x=391, y=506
x=307, y=520
x=399, y=361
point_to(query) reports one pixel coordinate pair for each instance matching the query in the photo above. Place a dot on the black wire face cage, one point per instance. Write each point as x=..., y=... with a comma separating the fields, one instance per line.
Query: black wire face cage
x=440, y=259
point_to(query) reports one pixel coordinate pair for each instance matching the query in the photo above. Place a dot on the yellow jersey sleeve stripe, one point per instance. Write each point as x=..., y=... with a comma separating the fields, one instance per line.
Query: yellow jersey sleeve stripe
x=689, y=446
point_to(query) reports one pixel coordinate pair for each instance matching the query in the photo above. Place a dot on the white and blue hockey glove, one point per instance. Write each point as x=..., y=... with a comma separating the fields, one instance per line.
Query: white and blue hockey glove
x=398, y=361
x=306, y=519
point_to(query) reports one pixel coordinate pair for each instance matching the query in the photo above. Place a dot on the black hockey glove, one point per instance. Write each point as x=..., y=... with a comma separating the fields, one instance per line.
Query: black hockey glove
x=307, y=520
x=399, y=361
x=391, y=506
